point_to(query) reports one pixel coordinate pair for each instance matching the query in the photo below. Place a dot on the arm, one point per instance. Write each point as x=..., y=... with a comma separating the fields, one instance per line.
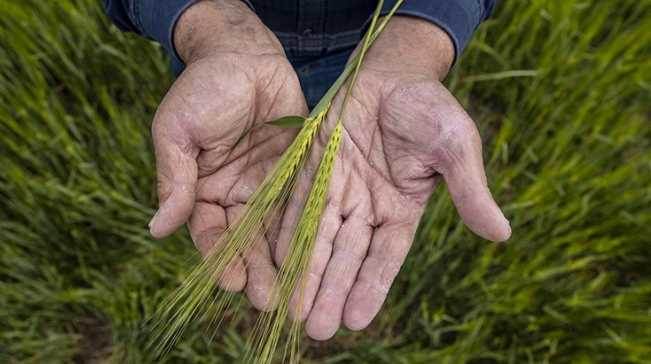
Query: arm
x=156, y=19
x=153, y=19
x=458, y=18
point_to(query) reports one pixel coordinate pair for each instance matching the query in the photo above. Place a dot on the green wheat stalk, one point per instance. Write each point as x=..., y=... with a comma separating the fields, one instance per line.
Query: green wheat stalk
x=198, y=297
x=269, y=326
x=290, y=279
x=199, y=291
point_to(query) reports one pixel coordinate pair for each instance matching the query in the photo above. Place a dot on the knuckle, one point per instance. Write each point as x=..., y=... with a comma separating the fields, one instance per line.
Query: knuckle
x=205, y=240
x=164, y=189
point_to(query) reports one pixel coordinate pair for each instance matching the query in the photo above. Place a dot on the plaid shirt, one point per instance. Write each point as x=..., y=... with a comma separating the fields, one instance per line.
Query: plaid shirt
x=305, y=27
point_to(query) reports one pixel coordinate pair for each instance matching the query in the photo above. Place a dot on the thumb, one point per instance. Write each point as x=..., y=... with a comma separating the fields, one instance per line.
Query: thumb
x=460, y=161
x=176, y=169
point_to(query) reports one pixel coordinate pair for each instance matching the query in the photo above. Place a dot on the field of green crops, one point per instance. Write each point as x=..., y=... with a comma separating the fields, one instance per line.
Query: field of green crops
x=561, y=91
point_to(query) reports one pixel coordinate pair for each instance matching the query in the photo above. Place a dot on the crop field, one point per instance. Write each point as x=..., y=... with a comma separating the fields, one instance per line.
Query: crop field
x=560, y=90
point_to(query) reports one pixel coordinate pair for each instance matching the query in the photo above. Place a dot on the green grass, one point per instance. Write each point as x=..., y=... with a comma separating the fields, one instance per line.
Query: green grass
x=561, y=91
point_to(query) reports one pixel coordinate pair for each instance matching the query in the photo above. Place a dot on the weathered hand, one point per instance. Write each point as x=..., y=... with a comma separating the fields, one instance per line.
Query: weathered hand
x=403, y=130
x=212, y=145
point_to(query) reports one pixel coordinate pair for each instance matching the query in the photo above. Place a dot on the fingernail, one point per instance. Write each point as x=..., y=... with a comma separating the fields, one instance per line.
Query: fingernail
x=507, y=233
x=151, y=222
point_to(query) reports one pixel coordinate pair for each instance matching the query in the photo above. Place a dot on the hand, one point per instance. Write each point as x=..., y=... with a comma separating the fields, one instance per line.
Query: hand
x=403, y=130
x=212, y=145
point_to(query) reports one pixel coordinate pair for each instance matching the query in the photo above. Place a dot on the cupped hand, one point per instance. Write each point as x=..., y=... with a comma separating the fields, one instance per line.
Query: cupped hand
x=403, y=131
x=212, y=144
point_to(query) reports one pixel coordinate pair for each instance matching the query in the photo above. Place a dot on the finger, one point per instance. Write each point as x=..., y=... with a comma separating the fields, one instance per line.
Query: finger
x=294, y=207
x=261, y=276
x=459, y=159
x=176, y=169
x=307, y=288
x=349, y=250
x=260, y=271
x=388, y=250
x=206, y=225
x=304, y=294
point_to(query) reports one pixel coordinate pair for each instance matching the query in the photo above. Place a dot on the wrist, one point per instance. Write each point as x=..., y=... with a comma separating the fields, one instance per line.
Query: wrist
x=222, y=26
x=413, y=45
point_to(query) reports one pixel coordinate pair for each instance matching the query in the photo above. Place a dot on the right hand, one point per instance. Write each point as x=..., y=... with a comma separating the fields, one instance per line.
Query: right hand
x=213, y=146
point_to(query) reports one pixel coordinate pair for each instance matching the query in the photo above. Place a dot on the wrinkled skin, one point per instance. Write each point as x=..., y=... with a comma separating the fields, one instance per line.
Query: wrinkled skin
x=213, y=147
x=403, y=131
x=401, y=134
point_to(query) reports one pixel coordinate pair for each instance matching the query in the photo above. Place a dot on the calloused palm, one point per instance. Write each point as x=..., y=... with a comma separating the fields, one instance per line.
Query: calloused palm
x=402, y=132
x=213, y=148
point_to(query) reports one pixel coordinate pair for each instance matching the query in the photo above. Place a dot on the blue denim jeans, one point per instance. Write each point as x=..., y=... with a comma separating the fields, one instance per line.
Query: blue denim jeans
x=317, y=74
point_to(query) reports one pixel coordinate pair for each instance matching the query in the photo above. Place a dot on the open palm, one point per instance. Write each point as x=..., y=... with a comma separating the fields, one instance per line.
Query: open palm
x=401, y=133
x=213, y=148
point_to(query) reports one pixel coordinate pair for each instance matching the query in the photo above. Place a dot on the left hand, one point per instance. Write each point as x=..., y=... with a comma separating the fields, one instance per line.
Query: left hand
x=402, y=131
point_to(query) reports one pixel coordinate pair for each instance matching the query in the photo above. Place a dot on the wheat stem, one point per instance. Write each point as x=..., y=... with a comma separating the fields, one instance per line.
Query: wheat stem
x=198, y=296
